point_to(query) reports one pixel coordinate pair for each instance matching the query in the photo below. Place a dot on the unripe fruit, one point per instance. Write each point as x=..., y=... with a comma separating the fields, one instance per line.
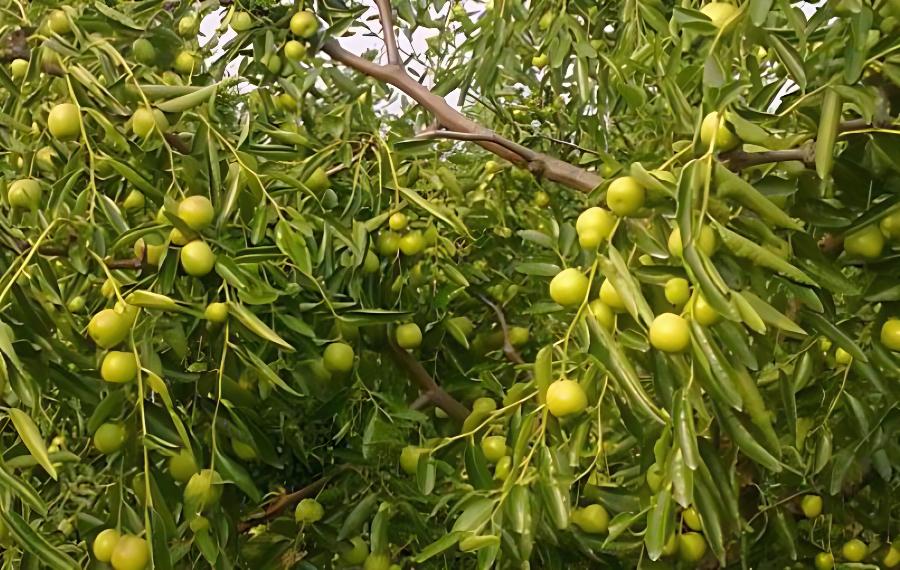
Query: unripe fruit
x=357, y=553
x=824, y=561
x=109, y=438
x=309, y=511
x=691, y=518
x=182, y=466
x=241, y=21
x=494, y=448
x=104, y=544
x=704, y=313
x=370, y=263
x=518, y=335
x=503, y=467
x=143, y=51
x=492, y=166
x=59, y=22
x=108, y=328
x=484, y=406
x=294, y=50
x=890, y=225
x=75, y=304
x=178, y=238
x=304, y=24
x=409, y=336
x=891, y=558
x=197, y=212
x=154, y=250
x=273, y=64
x=678, y=291
x=64, y=122
x=565, y=398
x=705, y=242
x=890, y=334
x=203, y=489
x=654, y=477
x=409, y=459
x=546, y=20
x=593, y=226
x=412, y=243
x=197, y=259
x=188, y=26
x=811, y=505
x=854, y=550
x=602, y=313
x=625, y=196
x=18, y=68
x=592, y=519
x=713, y=126
x=691, y=547
x=867, y=242
x=569, y=287
x=318, y=181
x=130, y=553
x=540, y=60
x=145, y=121
x=610, y=296
x=25, y=194
x=338, y=357
x=541, y=199
x=842, y=357
x=216, y=312
x=669, y=333
x=184, y=62
x=398, y=221
x=119, y=367
x=388, y=244
x=135, y=200
x=719, y=12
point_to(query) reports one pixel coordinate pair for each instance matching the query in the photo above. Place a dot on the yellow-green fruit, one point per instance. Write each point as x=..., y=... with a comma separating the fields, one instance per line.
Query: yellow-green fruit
x=890, y=334
x=108, y=328
x=357, y=553
x=216, y=312
x=318, y=181
x=842, y=357
x=541, y=199
x=625, y=196
x=891, y=558
x=867, y=242
x=592, y=519
x=273, y=64
x=713, y=126
x=540, y=60
x=377, y=561
x=130, y=553
x=811, y=506
x=678, y=291
x=669, y=333
x=890, y=225
x=197, y=212
x=409, y=459
x=18, y=68
x=59, y=22
x=243, y=451
x=241, y=21
x=854, y=550
x=304, y=24
x=199, y=524
x=398, y=221
x=484, y=406
x=45, y=158
x=188, y=26
x=409, y=336
x=25, y=194
x=154, y=250
x=145, y=121
x=309, y=511
x=338, y=357
x=824, y=561
x=104, y=544
x=75, y=304
x=565, y=398
x=412, y=243
x=294, y=50
x=503, y=467
x=197, y=259
x=518, y=335
x=546, y=20
x=691, y=518
x=178, y=238
x=143, y=51
x=388, y=243
x=704, y=313
x=593, y=226
x=691, y=547
x=610, y=296
x=119, y=367
x=602, y=313
x=492, y=166
x=64, y=122
x=494, y=448
x=203, y=489
x=108, y=289
x=109, y=438
x=671, y=545
x=370, y=263
x=182, y=466
x=184, y=62
x=705, y=242
x=569, y=287
x=654, y=477
x=719, y=12
x=135, y=200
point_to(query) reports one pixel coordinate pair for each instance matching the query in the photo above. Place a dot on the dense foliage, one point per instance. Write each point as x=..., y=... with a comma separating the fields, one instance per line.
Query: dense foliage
x=251, y=317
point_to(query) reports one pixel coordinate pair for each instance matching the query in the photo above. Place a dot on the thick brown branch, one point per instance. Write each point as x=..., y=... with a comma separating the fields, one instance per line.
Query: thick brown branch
x=508, y=349
x=739, y=159
x=388, y=32
x=275, y=507
x=449, y=118
x=21, y=247
x=427, y=386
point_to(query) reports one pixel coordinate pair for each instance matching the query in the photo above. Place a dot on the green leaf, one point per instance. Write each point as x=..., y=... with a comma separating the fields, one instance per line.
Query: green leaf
x=32, y=438
x=256, y=326
x=35, y=543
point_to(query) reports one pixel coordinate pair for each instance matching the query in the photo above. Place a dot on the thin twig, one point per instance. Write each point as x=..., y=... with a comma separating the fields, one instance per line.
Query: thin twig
x=386, y=15
x=508, y=349
x=739, y=159
x=527, y=154
x=427, y=385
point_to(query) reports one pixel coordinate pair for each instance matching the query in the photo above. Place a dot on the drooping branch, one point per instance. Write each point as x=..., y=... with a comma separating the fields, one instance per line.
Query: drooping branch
x=452, y=120
x=508, y=349
x=274, y=508
x=427, y=386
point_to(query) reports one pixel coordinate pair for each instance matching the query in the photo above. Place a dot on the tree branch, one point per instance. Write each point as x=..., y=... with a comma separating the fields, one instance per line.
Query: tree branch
x=276, y=506
x=508, y=349
x=386, y=15
x=527, y=154
x=21, y=247
x=449, y=118
x=429, y=388
x=739, y=159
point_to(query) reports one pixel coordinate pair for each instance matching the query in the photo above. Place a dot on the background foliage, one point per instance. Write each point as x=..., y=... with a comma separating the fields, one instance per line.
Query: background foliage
x=754, y=416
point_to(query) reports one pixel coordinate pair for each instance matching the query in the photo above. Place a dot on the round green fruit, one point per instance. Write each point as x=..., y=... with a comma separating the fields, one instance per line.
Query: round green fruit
x=388, y=244
x=145, y=122
x=891, y=557
x=143, y=51
x=64, y=122
x=854, y=550
x=370, y=263
x=318, y=181
x=719, y=12
x=592, y=519
x=669, y=333
x=357, y=553
x=654, y=477
x=890, y=334
x=569, y=287
x=216, y=312
x=413, y=243
x=182, y=466
x=241, y=21
x=714, y=127
x=130, y=553
x=197, y=259
x=18, y=68
x=104, y=544
x=811, y=505
x=593, y=226
x=866, y=243
x=184, y=62
x=824, y=561
x=691, y=547
x=119, y=367
x=503, y=467
x=243, y=451
x=678, y=291
x=304, y=24
x=691, y=518
x=203, y=489
x=309, y=511
x=541, y=199
x=610, y=296
x=409, y=458
x=890, y=225
x=75, y=304
x=59, y=22
x=188, y=26
x=409, y=336
x=494, y=448
x=703, y=312
x=602, y=313
x=197, y=212
x=108, y=328
x=625, y=196
x=25, y=194
x=398, y=221
x=377, y=562
x=109, y=438
x=294, y=50
x=705, y=242
x=541, y=60
x=566, y=398
x=842, y=357
x=338, y=357
x=135, y=200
